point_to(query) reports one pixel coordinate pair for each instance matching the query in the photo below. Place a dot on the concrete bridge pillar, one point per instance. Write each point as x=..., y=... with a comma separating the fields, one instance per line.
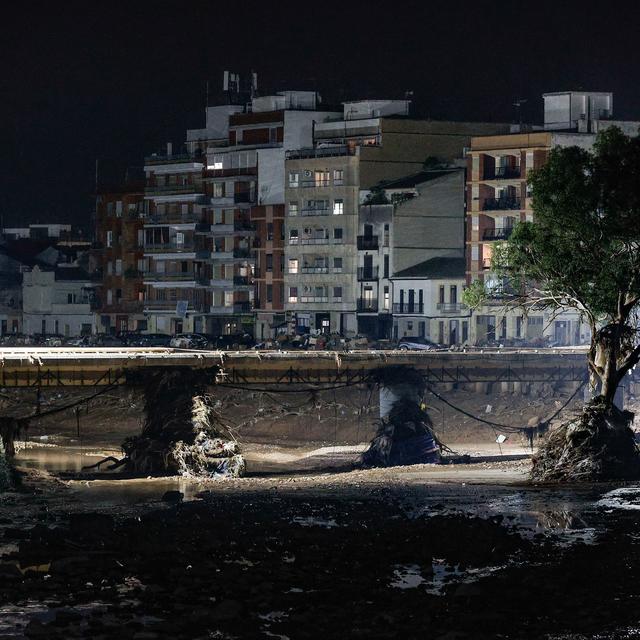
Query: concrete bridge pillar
x=482, y=387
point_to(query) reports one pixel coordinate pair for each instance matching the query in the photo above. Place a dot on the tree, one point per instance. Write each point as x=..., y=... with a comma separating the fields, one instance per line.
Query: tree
x=582, y=251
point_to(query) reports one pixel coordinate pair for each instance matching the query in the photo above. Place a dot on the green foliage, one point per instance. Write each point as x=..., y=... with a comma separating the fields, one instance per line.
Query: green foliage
x=432, y=163
x=377, y=196
x=582, y=250
x=475, y=295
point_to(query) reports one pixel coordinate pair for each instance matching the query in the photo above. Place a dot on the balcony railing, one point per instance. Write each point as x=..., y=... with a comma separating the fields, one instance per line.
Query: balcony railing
x=163, y=305
x=313, y=298
x=367, y=242
x=451, y=307
x=170, y=247
x=315, y=183
x=503, y=173
x=408, y=307
x=315, y=211
x=173, y=277
x=324, y=269
x=321, y=152
x=173, y=218
x=367, y=273
x=501, y=204
x=367, y=305
x=499, y=233
x=173, y=188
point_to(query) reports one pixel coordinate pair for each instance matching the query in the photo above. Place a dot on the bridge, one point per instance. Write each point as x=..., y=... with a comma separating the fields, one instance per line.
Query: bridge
x=80, y=366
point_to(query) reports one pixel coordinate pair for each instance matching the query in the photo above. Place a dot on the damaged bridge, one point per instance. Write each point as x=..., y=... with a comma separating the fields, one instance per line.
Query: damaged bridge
x=79, y=367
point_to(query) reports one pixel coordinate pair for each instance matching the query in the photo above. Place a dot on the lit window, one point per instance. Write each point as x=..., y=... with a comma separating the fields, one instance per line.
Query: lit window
x=293, y=294
x=338, y=207
x=294, y=179
x=293, y=208
x=338, y=176
x=293, y=265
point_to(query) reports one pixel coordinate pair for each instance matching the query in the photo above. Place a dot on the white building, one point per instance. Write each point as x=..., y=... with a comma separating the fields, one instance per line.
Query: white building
x=57, y=301
x=427, y=301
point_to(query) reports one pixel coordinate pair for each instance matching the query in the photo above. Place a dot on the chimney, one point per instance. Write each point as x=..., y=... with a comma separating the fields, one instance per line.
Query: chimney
x=169, y=148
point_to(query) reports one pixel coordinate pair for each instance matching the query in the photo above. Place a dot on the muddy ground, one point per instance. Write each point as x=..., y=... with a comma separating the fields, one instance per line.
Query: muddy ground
x=366, y=554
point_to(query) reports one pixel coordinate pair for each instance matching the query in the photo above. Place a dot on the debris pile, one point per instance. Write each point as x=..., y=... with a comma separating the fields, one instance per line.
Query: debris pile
x=597, y=445
x=405, y=434
x=182, y=434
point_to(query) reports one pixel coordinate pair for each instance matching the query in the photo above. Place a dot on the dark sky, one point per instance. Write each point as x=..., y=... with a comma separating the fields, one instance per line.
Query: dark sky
x=116, y=80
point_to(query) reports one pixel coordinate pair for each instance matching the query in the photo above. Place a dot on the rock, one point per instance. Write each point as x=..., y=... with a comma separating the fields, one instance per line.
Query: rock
x=534, y=422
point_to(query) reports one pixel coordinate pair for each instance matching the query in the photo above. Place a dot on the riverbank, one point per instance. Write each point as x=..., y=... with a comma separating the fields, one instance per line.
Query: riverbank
x=469, y=551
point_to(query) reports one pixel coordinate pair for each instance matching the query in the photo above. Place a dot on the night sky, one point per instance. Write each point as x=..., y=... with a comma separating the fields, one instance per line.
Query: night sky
x=116, y=81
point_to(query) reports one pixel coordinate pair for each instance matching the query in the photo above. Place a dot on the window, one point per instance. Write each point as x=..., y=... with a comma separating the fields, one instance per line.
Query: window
x=338, y=176
x=109, y=297
x=338, y=207
x=109, y=238
x=184, y=209
x=475, y=223
x=118, y=210
x=118, y=267
x=179, y=238
x=293, y=208
x=109, y=268
x=269, y=262
x=337, y=235
x=293, y=236
x=385, y=300
x=441, y=296
x=337, y=293
x=321, y=179
x=453, y=294
x=475, y=252
x=386, y=266
x=218, y=189
x=118, y=295
x=293, y=294
x=269, y=230
x=337, y=265
x=294, y=179
x=293, y=265
x=269, y=293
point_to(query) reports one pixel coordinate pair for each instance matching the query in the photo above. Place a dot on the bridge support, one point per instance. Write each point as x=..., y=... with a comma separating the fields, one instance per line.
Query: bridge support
x=181, y=434
x=405, y=435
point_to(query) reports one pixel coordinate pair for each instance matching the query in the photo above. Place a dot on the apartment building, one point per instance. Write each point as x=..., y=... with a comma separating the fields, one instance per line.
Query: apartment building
x=373, y=142
x=120, y=216
x=498, y=196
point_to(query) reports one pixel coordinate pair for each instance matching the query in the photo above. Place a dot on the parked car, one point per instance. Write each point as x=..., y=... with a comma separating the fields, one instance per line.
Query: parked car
x=234, y=341
x=16, y=340
x=190, y=341
x=76, y=341
x=417, y=343
x=151, y=340
x=105, y=340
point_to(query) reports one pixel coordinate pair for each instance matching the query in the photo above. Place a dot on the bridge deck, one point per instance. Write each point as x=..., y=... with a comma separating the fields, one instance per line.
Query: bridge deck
x=80, y=366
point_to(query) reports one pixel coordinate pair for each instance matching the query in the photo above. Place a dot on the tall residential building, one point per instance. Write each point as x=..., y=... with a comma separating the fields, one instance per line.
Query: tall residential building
x=329, y=281
x=498, y=196
x=120, y=214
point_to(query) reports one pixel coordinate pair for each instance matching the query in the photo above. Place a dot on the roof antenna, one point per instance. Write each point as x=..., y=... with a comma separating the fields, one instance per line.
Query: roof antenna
x=518, y=105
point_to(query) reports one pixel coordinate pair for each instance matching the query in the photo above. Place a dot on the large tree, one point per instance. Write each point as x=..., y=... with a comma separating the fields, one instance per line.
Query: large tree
x=582, y=250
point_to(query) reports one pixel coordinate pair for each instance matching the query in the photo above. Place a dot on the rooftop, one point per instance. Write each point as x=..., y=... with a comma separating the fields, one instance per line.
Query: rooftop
x=435, y=268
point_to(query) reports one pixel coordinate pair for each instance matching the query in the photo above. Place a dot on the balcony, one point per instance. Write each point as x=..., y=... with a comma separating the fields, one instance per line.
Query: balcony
x=171, y=305
x=451, y=307
x=367, y=305
x=504, y=173
x=311, y=241
x=367, y=274
x=241, y=281
x=172, y=218
x=366, y=243
x=410, y=308
x=321, y=152
x=241, y=253
x=501, y=204
x=499, y=233
x=231, y=309
x=315, y=211
x=315, y=183
x=307, y=269
x=167, y=189
x=156, y=276
x=170, y=247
